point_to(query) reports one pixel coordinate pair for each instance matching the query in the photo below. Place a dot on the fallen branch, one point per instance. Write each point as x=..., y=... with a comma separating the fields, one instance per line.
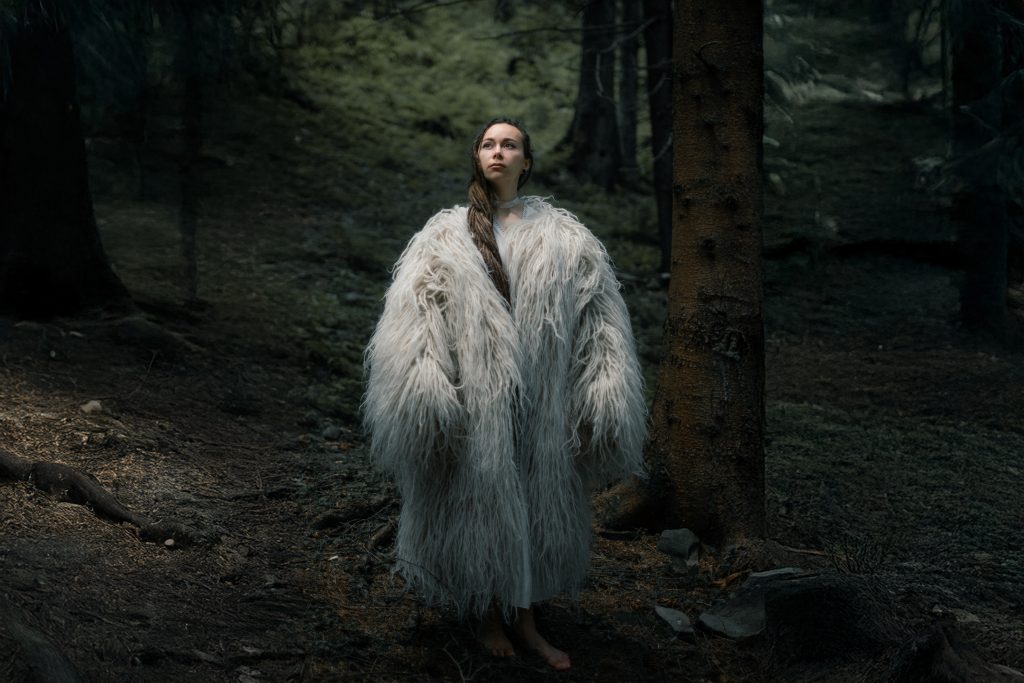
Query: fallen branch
x=76, y=486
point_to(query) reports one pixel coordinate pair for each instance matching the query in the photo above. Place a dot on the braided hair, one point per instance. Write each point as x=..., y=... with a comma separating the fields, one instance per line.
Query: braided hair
x=482, y=200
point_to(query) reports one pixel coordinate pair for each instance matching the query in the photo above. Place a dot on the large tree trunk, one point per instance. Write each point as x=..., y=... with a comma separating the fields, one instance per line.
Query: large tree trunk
x=593, y=137
x=189, y=69
x=629, y=47
x=658, y=46
x=51, y=259
x=980, y=209
x=707, y=447
x=1013, y=117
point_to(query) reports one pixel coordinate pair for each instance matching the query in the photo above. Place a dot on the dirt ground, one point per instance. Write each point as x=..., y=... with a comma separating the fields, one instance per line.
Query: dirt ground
x=893, y=451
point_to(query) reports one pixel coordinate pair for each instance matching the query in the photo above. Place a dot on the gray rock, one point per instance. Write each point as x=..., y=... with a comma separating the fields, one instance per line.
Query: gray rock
x=679, y=622
x=742, y=615
x=803, y=616
x=331, y=433
x=815, y=617
x=683, y=546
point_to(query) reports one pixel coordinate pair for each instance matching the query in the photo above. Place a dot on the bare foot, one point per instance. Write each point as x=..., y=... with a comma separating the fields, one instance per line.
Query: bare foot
x=526, y=629
x=492, y=635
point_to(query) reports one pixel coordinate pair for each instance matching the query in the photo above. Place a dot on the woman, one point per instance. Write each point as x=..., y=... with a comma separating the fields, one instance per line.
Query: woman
x=503, y=388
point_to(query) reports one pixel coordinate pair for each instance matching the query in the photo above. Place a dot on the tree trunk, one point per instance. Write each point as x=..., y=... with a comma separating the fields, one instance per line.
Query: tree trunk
x=629, y=47
x=980, y=209
x=658, y=45
x=1013, y=117
x=192, y=141
x=593, y=137
x=51, y=258
x=707, y=447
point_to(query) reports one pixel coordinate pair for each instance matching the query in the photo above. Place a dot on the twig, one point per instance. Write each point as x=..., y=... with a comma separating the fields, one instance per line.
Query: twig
x=142, y=382
x=732, y=578
x=462, y=676
x=804, y=551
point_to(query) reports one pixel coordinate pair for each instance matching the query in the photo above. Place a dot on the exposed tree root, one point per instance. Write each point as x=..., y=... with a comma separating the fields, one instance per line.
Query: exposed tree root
x=632, y=504
x=75, y=486
x=383, y=535
x=940, y=655
x=44, y=659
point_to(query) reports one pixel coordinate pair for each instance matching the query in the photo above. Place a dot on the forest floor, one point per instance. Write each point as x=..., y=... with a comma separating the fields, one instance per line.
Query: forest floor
x=893, y=449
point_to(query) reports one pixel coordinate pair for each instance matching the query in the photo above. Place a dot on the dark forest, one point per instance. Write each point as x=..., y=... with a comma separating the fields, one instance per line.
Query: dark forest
x=815, y=211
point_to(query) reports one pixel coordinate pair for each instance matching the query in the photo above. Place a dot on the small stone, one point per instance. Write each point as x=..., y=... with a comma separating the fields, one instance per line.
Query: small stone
x=683, y=546
x=678, y=542
x=962, y=616
x=169, y=543
x=90, y=407
x=679, y=622
x=207, y=657
x=271, y=581
x=331, y=433
x=737, y=618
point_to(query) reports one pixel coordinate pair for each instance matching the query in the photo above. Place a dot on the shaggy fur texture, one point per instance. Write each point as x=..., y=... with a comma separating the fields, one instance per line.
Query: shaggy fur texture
x=497, y=422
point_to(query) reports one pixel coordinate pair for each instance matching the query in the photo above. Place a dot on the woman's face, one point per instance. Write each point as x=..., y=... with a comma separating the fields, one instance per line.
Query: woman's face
x=501, y=156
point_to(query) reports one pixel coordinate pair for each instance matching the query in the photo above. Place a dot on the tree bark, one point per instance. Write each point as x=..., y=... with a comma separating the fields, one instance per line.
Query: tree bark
x=658, y=46
x=629, y=47
x=51, y=258
x=980, y=209
x=593, y=137
x=189, y=68
x=707, y=447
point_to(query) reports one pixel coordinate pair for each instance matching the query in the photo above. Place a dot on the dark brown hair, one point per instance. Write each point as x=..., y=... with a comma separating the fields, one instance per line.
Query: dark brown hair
x=481, y=205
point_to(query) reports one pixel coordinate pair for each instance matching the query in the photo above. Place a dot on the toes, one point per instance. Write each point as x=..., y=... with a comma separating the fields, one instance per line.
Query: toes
x=501, y=649
x=559, y=662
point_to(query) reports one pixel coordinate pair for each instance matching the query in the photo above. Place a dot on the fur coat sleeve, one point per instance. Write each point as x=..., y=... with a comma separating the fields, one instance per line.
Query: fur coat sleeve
x=411, y=406
x=607, y=386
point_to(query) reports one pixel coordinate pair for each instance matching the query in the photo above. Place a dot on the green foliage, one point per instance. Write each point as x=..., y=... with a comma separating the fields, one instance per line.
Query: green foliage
x=416, y=87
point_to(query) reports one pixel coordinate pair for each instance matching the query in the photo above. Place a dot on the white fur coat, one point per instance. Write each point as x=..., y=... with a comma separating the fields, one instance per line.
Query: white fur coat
x=497, y=422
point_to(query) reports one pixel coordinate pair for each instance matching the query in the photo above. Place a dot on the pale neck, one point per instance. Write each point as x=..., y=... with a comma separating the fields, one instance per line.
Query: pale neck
x=506, y=193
